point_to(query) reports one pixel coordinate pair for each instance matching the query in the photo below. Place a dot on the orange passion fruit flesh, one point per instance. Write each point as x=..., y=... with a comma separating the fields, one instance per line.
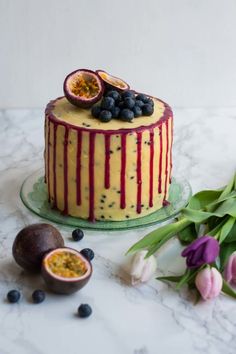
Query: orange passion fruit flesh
x=66, y=264
x=114, y=81
x=84, y=85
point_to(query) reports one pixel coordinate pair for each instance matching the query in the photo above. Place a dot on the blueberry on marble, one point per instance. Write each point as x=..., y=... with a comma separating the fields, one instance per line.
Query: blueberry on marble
x=114, y=94
x=137, y=111
x=129, y=102
x=38, y=296
x=87, y=253
x=95, y=111
x=108, y=103
x=105, y=116
x=84, y=310
x=127, y=115
x=13, y=296
x=77, y=235
x=147, y=110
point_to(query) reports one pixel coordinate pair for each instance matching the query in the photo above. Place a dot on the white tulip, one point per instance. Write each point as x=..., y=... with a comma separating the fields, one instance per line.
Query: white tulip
x=141, y=269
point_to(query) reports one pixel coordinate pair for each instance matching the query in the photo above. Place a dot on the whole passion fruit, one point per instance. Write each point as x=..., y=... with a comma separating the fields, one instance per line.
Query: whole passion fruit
x=83, y=88
x=33, y=242
x=112, y=82
x=65, y=270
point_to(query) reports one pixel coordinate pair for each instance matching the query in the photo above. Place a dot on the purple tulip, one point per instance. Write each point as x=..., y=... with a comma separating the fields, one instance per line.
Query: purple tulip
x=203, y=250
x=209, y=283
x=230, y=269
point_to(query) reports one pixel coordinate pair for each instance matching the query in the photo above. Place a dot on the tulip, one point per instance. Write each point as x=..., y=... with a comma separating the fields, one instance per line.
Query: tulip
x=203, y=250
x=230, y=269
x=142, y=268
x=209, y=283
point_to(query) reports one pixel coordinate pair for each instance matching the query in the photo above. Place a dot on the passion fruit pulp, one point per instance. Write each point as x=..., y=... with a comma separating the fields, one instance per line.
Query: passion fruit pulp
x=33, y=242
x=65, y=270
x=112, y=82
x=83, y=88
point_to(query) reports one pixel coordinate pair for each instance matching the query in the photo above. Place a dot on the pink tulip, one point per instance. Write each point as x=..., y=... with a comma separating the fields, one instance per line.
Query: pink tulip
x=209, y=283
x=230, y=269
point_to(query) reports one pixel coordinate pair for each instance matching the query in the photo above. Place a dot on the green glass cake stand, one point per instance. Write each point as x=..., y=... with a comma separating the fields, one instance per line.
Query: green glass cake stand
x=33, y=194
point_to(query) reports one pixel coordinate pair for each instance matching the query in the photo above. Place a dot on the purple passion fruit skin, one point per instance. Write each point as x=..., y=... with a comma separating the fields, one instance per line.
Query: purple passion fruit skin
x=59, y=268
x=83, y=88
x=33, y=242
x=112, y=82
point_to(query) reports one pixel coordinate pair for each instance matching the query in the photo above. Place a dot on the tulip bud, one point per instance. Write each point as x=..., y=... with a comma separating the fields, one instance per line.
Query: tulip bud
x=142, y=269
x=230, y=269
x=209, y=283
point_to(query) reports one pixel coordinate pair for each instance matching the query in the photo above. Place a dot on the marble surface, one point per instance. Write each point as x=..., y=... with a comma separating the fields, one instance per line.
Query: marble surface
x=150, y=319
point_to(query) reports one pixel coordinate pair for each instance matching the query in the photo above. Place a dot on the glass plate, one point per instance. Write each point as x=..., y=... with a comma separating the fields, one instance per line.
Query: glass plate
x=33, y=194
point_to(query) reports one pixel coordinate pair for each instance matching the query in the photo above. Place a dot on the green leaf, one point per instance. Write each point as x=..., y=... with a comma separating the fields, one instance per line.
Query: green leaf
x=228, y=188
x=201, y=199
x=226, y=249
x=228, y=207
x=155, y=247
x=157, y=235
x=184, y=279
x=212, y=206
x=231, y=235
x=197, y=216
x=174, y=279
x=217, y=225
x=226, y=228
x=188, y=234
x=228, y=290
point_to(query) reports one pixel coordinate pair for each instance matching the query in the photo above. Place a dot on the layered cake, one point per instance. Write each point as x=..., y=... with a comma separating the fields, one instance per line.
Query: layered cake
x=108, y=168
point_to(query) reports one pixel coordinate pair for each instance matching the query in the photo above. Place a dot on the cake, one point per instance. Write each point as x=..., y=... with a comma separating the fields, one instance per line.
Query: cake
x=114, y=170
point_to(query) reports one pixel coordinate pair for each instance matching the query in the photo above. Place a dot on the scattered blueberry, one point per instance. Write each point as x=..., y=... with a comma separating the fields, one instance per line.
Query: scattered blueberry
x=87, y=253
x=107, y=103
x=77, y=235
x=115, y=112
x=137, y=111
x=95, y=111
x=38, y=296
x=127, y=115
x=84, y=310
x=139, y=103
x=114, y=94
x=13, y=296
x=142, y=97
x=129, y=102
x=105, y=116
x=147, y=110
x=126, y=94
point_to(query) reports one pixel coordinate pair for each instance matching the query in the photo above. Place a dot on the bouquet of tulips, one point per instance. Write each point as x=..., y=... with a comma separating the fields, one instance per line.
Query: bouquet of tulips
x=207, y=227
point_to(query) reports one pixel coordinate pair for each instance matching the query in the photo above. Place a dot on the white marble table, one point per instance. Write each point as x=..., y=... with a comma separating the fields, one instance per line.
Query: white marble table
x=152, y=319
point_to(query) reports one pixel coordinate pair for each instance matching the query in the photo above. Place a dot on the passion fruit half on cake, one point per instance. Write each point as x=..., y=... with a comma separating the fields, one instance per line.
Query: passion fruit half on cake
x=112, y=82
x=65, y=270
x=83, y=88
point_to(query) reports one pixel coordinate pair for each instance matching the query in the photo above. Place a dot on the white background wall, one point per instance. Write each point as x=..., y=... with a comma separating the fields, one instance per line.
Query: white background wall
x=183, y=51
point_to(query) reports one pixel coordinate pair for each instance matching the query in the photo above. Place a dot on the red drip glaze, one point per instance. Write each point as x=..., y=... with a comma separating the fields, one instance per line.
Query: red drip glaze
x=91, y=175
x=122, y=171
x=107, y=162
x=167, y=159
x=151, y=168
x=54, y=165
x=171, y=161
x=48, y=159
x=160, y=163
x=65, y=211
x=78, y=168
x=139, y=172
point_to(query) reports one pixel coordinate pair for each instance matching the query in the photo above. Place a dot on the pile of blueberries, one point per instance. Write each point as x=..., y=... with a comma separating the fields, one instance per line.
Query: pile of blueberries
x=124, y=106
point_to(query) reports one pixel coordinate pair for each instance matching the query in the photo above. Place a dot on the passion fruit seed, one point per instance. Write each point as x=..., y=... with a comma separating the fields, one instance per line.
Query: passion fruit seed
x=77, y=235
x=112, y=82
x=13, y=296
x=38, y=296
x=83, y=88
x=87, y=253
x=84, y=310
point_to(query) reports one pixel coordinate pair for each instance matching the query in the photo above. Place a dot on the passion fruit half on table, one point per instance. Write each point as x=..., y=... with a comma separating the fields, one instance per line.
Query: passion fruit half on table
x=33, y=242
x=112, y=82
x=83, y=88
x=65, y=270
